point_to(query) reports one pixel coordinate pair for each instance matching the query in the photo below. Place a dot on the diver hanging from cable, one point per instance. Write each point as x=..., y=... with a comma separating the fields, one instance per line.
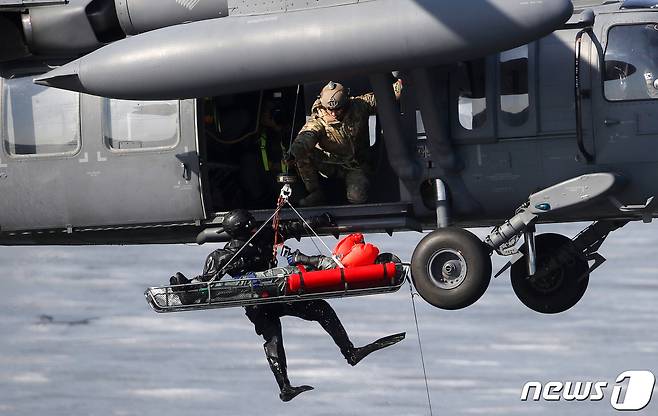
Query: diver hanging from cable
x=248, y=252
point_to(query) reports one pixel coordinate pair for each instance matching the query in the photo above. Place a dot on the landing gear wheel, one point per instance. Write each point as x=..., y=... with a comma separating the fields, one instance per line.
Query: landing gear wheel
x=451, y=268
x=552, y=291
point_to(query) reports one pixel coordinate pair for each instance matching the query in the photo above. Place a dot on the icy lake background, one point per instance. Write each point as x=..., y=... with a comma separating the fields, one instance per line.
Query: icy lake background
x=78, y=339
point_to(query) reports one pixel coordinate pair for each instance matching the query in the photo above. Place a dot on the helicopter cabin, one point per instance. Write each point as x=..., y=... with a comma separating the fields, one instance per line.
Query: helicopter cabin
x=466, y=144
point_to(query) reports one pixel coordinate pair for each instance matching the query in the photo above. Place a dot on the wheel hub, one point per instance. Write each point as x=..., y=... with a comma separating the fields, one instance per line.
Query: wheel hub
x=447, y=269
x=547, y=281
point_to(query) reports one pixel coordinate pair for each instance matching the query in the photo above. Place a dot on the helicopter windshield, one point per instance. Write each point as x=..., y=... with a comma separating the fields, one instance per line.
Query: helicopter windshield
x=631, y=63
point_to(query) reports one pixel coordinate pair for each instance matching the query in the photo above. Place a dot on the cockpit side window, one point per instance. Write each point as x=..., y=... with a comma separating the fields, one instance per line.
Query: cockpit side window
x=631, y=63
x=514, y=97
x=38, y=120
x=139, y=125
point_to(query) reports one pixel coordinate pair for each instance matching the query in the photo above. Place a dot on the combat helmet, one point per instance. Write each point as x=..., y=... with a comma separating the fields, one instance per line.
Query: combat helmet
x=334, y=96
x=238, y=223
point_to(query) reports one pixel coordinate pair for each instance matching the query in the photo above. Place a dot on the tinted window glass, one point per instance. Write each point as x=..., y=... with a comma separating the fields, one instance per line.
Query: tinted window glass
x=420, y=126
x=631, y=63
x=472, y=95
x=39, y=120
x=514, y=98
x=141, y=124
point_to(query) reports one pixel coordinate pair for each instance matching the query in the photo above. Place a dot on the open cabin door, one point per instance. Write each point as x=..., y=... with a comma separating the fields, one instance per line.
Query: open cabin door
x=76, y=161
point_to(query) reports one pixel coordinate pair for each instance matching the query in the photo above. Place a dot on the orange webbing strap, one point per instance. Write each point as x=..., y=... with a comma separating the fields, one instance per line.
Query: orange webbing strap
x=276, y=221
x=286, y=191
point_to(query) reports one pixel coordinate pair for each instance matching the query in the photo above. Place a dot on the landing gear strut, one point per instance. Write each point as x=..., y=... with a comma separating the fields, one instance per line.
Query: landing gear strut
x=451, y=268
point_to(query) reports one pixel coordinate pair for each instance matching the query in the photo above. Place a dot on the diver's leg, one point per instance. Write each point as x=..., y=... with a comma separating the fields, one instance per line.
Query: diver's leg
x=267, y=322
x=324, y=314
x=318, y=262
x=321, y=312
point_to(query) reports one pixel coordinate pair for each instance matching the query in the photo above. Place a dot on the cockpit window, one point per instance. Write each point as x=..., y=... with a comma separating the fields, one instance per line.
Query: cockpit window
x=631, y=63
x=38, y=120
x=514, y=98
x=135, y=125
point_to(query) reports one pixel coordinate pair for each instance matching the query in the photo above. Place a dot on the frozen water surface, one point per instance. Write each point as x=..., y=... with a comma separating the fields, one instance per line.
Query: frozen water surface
x=79, y=339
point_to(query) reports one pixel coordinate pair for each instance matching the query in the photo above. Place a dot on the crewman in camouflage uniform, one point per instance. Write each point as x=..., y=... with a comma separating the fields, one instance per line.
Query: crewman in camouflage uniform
x=336, y=142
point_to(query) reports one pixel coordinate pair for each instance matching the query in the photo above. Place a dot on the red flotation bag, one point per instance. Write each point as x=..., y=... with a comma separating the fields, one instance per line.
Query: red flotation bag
x=345, y=245
x=353, y=251
x=362, y=277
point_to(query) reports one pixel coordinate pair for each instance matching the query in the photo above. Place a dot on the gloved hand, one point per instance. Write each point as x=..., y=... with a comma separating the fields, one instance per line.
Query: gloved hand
x=291, y=257
x=397, y=88
x=236, y=265
x=297, y=257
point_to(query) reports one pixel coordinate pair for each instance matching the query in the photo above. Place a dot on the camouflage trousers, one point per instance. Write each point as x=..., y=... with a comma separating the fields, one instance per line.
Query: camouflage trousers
x=310, y=166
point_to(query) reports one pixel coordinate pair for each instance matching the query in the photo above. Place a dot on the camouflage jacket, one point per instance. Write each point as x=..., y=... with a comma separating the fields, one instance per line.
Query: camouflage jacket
x=347, y=140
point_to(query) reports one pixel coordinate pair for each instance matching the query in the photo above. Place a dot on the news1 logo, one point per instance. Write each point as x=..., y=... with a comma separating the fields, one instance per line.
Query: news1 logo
x=636, y=394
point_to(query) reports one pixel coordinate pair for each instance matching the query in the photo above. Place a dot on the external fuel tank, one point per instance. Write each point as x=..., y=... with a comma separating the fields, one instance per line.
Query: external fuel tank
x=241, y=53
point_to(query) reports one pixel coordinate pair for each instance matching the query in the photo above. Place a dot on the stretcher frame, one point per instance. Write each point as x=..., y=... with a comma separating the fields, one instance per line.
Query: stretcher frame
x=164, y=299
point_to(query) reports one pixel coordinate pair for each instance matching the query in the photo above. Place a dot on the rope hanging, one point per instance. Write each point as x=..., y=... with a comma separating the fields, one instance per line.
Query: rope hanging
x=283, y=200
x=286, y=191
x=420, y=346
x=336, y=259
x=221, y=272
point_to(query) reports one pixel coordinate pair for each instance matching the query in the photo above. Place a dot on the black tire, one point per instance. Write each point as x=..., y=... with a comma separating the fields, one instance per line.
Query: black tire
x=458, y=247
x=558, y=290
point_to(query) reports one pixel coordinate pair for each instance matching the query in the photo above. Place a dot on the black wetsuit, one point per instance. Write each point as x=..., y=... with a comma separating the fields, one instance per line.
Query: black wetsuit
x=256, y=257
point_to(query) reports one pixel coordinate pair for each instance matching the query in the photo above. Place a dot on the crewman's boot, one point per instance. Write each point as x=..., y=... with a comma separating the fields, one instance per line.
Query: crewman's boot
x=297, y=258
x=276, y=357
x=354, y=355
x=315, y=195
x=313, y=199
x=186, y=295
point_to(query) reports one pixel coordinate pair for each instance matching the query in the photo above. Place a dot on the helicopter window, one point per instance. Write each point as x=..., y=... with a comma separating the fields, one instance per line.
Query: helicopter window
x=514, y=97
x=138, y=125
x=372, y=124
x=472, y=103
x=420, y=126
x=631, y=63
x=39, y=120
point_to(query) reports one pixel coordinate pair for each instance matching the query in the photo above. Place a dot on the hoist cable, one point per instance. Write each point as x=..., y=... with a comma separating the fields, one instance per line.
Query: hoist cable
x=420, y=347
x=317, y=236
x=294, y=117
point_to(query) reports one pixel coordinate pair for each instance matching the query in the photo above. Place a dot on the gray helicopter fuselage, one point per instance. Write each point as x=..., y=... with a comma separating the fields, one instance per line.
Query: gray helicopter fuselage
x=478, y=137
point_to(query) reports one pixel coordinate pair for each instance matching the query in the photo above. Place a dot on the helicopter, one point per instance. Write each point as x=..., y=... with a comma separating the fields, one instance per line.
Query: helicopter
x=122, y=124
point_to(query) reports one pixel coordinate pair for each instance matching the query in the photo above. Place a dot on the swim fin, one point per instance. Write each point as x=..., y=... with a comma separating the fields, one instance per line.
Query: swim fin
x=358, y=354
x=288, y=392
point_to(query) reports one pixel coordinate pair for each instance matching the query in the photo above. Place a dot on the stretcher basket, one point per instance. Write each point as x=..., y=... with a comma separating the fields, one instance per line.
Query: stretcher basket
x=256, y=289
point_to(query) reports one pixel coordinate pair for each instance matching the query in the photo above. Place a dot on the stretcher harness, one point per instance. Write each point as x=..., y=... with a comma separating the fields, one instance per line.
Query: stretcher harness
x=281, y=284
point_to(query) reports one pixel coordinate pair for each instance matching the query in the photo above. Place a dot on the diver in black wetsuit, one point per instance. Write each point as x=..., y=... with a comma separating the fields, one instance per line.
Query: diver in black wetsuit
x=258, y=256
